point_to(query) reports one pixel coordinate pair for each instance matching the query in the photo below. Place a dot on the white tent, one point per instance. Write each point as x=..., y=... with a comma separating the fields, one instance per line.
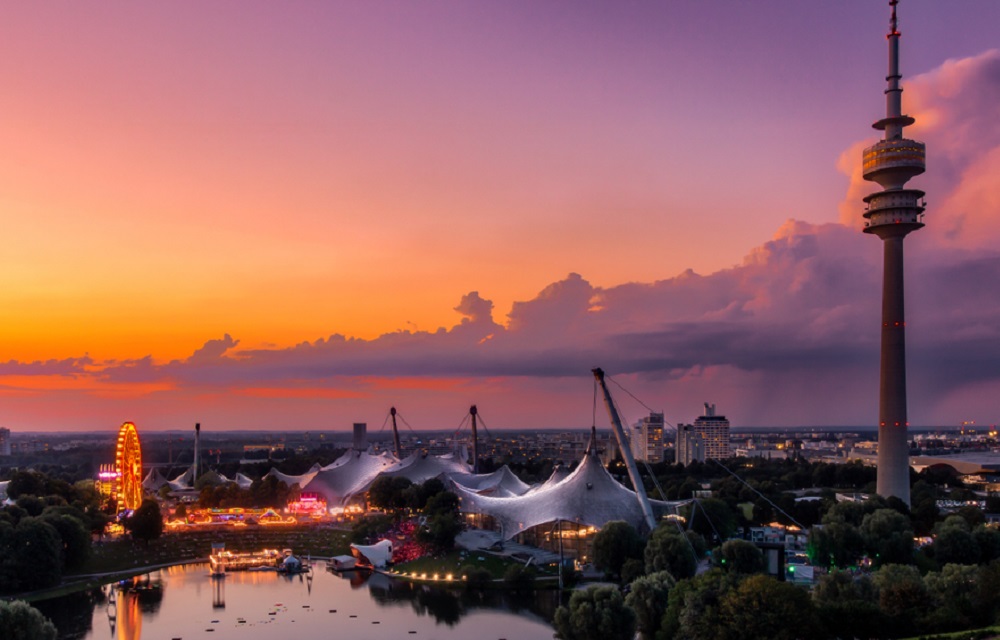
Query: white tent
x=183, y=482
x=377, y=555
x=242, y=481
x=153, y=480
x=341, y=481
x=501, y=483
x=419, y=467
x=301, y=480
x=587, y=496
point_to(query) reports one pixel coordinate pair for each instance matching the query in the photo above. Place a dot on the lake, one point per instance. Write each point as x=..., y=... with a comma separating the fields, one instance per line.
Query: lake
x=186, y=602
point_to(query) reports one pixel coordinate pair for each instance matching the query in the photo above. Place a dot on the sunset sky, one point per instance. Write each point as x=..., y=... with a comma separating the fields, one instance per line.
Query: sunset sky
x=294, y=215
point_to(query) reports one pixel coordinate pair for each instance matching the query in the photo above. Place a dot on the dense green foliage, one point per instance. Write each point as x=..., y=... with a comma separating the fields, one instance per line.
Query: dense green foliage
x=616, y=543
x=670, y=549
x=740, y=556
x=443, y=522
x=596, y=613
x=263, y=493
x=648, y=598
x=146, y=523
x=46, y=531
x=20, y=621
x=368, y=529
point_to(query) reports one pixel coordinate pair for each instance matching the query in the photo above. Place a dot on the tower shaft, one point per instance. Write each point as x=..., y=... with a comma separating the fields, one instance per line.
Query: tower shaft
x=891, y=214
x=893, y=446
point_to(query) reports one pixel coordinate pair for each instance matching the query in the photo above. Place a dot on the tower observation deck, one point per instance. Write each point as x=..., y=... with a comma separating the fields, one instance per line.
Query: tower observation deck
x=891, y=214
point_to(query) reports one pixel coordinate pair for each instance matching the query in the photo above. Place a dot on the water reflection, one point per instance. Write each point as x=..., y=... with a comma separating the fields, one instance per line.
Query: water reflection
x=187, y=601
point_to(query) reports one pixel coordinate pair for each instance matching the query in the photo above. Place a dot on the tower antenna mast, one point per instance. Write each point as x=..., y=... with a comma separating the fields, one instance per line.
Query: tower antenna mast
x=891, y=214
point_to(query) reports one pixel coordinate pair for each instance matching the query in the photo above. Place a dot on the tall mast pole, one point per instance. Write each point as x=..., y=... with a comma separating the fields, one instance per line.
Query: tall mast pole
x=475, y=440
x=395, y=434
x=633, y=471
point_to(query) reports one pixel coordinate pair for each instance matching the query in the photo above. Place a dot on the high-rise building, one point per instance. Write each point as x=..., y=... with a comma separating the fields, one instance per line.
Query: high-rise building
x=891, y=214
x=4, y=441
x=360, y=442
x=647, y=438
x=706, y=439
x=690, y=445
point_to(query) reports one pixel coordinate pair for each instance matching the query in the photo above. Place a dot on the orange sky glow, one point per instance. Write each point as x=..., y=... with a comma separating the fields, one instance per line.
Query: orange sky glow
x=249, y=213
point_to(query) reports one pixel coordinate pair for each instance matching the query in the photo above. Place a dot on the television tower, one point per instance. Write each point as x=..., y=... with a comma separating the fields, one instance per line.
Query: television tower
x=891, y=214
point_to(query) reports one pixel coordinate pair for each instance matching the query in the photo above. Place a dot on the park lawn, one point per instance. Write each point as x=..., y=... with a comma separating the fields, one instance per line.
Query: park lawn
x=455, y=562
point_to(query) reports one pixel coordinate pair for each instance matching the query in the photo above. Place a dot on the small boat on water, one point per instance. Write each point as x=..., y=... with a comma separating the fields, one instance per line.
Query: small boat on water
x=222, y=561
x=342, y=563
x=292, y=565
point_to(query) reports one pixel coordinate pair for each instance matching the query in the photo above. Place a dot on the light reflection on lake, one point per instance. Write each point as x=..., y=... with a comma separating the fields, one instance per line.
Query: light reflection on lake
x=185, y=602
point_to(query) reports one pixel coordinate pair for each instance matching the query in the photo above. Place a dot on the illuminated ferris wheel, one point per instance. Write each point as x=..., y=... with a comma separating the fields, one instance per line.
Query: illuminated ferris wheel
x=128, y=465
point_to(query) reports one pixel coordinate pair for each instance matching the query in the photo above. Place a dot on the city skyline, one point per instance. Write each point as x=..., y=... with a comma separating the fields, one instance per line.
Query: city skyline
x=299, y=216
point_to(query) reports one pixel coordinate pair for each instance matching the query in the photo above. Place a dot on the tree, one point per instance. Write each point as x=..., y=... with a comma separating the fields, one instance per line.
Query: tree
x=632, y=569
x=518, y=579
x=389, y=493
x=713, y=519
x=648, y=599
x=443, y=521
x=74, y=535
x=693, y=606
x=26, y=483
x=597, y=613
x=848, y=512
x=146, y=523
x=440, y=531
x=988, y=539
x=35, y=556
x=670, y=550
x=956, y=599
x=838, y=544
x=902, y=597
x=32, y=504
x=888, y=537
x=762, y=607
x=616, y=542
x=954, y=543
x=417, y=495
x=20, y=621
x=740, y=556
x=847, y=606
x=366, y=529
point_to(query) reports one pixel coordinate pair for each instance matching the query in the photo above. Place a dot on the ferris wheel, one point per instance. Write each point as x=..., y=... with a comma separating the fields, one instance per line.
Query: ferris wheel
x=128, y=465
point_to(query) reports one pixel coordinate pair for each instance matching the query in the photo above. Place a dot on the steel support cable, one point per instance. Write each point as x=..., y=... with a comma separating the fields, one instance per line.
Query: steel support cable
x=766, y=499
x=400, y=416
x=483, y=423
x=461, y=425
x=384, y=422
x=632, y=395
x=705, y=513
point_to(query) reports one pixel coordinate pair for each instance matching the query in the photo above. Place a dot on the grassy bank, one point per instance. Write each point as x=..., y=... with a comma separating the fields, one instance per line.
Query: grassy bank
x=180, y=546
x=458, y=562
x=985, y=633
x=121, y=557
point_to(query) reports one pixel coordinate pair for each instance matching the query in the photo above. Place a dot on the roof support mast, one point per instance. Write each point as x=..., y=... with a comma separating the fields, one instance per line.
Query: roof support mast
x=395, y=434
x=623, y=446
x=475, y=440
